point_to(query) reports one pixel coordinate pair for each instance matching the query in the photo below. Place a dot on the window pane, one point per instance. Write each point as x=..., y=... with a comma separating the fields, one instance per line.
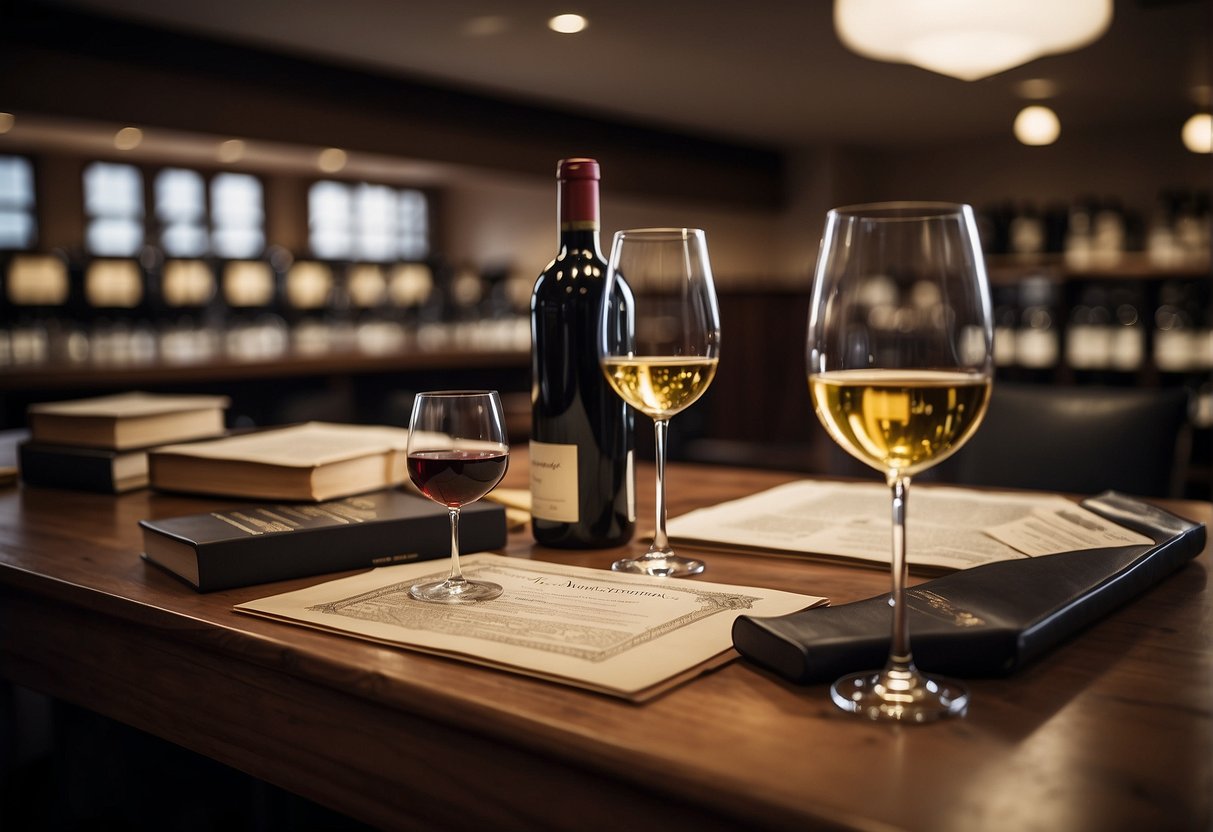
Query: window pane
x=330, y=214
x=113, y=190
x=16, y=229
x=184, y=239
x=16, y=182
x=237, y=215
x=115, y=236
x=239, y=242
x=179, y=195
x=236, y=200
x=414, y=225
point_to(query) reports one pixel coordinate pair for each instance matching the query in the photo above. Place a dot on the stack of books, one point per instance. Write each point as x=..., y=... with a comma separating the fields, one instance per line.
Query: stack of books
x=102, y=443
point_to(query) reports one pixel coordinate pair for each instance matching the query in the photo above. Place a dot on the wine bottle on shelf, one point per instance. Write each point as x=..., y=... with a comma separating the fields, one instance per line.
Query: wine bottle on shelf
x=582, y=474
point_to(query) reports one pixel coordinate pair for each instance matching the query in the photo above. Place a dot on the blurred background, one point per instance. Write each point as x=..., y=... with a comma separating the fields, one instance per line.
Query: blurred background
x=319, y=207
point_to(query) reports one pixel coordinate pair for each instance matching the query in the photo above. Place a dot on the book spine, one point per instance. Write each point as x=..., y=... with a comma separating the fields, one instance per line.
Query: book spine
x=278, y=557
x=76, y=471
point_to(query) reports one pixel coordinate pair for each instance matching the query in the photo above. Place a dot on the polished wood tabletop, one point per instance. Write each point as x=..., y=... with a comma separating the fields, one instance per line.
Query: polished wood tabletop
x=1111, y=730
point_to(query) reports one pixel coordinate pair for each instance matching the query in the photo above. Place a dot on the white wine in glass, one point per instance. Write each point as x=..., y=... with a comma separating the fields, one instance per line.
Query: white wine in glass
x=900, y=365
x=659, y=345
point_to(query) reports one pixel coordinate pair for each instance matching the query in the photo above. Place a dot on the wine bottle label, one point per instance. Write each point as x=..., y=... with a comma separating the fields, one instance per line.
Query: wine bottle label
x=554, y=482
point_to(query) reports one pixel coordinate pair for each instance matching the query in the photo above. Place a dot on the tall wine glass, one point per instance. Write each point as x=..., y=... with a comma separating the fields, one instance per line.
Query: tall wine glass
x=659, y=345
x=900, y=366
x=458, y=451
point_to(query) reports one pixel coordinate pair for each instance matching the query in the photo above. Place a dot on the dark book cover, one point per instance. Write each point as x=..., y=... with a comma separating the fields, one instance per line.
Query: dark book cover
x=84, y=469
x=986, y=621
x=262, y=542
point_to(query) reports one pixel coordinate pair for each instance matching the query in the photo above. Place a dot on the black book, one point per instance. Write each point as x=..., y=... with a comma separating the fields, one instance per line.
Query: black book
x=83, y=469
x=986, y=621
x=262, y=542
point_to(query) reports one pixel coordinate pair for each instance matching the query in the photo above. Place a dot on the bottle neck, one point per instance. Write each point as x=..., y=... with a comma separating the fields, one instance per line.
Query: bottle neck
x=578, y=213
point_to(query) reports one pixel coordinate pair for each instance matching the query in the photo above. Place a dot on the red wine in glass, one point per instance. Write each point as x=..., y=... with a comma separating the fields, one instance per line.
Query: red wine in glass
x=455, y=477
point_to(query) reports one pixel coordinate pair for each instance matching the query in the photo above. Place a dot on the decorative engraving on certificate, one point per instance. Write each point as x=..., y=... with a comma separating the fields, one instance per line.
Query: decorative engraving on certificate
x=544, y=609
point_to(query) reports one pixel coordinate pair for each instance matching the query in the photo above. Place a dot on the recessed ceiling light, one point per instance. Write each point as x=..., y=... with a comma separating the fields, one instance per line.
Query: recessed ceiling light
x=230, y=151
x=1198, y=133
x=1036, y=89
x=1037, y=126
x=568, y=24
x=331, y=159
x=486, y=25
x=128, y=138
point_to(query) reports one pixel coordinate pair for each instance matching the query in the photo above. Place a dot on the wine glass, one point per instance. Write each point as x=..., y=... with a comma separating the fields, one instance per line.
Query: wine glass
x=659, y=345
x=457, y=452
x=900, y=367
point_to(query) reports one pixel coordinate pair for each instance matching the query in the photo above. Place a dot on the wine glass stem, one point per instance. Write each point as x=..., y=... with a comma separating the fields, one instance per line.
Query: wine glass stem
x=456, y=576
x=661, y=428
x=900, y=658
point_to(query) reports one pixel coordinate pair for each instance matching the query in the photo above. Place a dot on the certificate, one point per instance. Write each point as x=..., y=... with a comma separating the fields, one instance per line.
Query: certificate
x=627, y=635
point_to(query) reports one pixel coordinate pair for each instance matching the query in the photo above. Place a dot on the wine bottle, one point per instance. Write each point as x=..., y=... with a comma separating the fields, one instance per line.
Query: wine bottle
x=582, y=475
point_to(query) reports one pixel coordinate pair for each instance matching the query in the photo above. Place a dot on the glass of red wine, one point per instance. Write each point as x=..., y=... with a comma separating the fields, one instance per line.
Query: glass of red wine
x=458, y=451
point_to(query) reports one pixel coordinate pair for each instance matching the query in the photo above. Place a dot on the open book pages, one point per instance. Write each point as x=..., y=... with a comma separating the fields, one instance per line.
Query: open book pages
x=127, y=420
x=947, y=528
x=626, y=635
x=312, y=461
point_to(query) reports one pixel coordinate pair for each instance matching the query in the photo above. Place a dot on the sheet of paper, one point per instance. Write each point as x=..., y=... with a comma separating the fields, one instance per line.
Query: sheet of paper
x=947, y=528
x=616, y=633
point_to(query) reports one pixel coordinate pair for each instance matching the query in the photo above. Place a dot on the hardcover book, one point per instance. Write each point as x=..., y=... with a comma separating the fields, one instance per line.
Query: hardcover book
x=127, y=420
x=259, y=543
x=313, y=461
x=84, y=469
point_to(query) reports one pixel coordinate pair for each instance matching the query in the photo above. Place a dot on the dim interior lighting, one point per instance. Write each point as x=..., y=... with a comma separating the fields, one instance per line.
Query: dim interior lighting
x=568, y=24
x=486, y=25
x=230, y=151
x=965, y=39
x=331, y=160
x=7, y=120
x=1037, y=126
x=128, y=138
x=1198, y=133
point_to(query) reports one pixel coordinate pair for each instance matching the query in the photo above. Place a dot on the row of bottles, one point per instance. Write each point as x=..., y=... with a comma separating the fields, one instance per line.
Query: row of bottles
x=61, y=309
x=1108, y=332
x=1097, y=232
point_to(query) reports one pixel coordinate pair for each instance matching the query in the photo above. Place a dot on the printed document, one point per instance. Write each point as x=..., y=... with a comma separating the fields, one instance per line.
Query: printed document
x=627, y=635
x=946, y=528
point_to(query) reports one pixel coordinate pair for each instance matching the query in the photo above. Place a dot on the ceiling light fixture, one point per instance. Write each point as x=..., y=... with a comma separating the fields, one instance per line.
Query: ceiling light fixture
x=331, y=160
x=568, y=24
x=230, y=151
x=1198, y=133
x=965, y=39
x=1037, y=126
x=128, y=138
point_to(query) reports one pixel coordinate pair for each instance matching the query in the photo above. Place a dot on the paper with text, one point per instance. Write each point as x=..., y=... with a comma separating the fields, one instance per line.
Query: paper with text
x=621, y=634
x=947, y=528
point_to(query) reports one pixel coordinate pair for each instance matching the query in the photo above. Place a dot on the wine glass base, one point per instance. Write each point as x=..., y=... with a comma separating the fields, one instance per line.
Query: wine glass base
x=455, y=592
x=900, y=696
x=661, y=566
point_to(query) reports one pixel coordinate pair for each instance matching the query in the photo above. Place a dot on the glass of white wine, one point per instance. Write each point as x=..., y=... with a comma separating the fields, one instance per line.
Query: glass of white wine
x=900, y=365
x=659, y=345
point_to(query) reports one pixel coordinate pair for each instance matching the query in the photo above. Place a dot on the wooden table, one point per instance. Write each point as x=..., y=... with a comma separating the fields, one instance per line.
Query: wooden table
x=1113, y=730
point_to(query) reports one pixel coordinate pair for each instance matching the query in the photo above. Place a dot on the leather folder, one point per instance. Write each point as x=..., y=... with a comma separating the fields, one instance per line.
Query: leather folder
x=986, y=621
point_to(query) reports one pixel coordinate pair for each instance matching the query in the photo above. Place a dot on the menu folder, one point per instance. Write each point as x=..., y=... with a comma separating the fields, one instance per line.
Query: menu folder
x=986, y=621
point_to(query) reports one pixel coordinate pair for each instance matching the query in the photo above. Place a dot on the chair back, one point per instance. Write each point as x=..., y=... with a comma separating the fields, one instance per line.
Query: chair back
x=1078, y=439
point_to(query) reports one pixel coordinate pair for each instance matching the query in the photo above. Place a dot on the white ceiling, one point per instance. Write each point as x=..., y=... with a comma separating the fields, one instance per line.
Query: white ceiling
x=770, y=72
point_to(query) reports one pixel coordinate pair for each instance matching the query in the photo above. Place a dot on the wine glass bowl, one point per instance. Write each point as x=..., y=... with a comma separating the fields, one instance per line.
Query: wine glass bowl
x=458, y=452
x=900, y=365
x=663, y=356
